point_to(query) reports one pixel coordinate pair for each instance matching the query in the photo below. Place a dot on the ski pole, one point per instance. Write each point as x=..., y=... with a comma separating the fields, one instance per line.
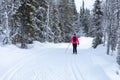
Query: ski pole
x=67, y=48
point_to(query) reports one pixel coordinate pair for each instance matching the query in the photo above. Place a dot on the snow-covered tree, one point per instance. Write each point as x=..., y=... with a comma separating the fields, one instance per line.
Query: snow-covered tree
x=55, y=32
x=110, y=24
x=118, y=24
x=67, y=16
x=97, y=23
x=85, y=21
x=7, y=9
x=24, y=15
x=23, y=21
x=41, y=7
x=29, y=22
x=82, y=17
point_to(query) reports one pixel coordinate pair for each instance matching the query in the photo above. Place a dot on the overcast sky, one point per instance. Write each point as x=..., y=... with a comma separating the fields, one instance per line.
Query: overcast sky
x=88, y=4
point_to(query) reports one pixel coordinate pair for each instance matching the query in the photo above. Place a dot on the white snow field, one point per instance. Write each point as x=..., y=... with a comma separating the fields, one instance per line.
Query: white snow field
x=49, y=61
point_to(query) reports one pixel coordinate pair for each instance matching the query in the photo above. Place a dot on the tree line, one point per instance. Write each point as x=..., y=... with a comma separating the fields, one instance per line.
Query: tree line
x=103, y=24
x=25, y=21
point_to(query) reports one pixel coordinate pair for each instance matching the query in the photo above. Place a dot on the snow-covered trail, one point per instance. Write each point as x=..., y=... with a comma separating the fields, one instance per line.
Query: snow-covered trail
x=53, y=62
x=55, y=66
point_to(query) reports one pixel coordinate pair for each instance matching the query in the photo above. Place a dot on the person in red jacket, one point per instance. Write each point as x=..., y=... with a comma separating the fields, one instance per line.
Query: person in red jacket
x=75, y=42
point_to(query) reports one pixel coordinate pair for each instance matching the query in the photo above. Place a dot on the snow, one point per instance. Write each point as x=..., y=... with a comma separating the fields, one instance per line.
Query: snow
x=49, y=61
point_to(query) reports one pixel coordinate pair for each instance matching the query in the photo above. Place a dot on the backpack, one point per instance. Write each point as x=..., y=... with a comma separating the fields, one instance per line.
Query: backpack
x=74, y=39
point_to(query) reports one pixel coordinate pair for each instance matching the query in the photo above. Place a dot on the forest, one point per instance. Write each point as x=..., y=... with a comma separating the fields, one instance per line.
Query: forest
x=25, y=21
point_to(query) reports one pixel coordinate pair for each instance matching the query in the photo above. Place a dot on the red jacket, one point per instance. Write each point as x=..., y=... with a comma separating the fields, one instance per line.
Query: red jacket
x=74, y=42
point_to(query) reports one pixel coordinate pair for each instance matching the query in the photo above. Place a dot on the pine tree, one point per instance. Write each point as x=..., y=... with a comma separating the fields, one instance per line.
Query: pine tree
x=29, y=22
x=6, y=11
x=24, y=16
x=97, y=21
x=112, y=25
x=67, y=17
x=118, y=24
x=54, y=23
x=82, y=18
x=85, y=20
x=41, y=7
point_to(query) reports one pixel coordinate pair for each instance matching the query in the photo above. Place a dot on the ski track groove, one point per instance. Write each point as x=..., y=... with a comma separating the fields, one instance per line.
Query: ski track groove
x=72, y=60
x=75, y=69
x=78, y=68
x=18, y=66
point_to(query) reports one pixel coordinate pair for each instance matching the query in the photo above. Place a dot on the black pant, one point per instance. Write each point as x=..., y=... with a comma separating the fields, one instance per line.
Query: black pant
x=74, y=48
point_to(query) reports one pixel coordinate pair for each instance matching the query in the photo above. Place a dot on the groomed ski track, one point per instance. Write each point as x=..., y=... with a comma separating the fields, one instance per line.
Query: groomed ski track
x=45, y=64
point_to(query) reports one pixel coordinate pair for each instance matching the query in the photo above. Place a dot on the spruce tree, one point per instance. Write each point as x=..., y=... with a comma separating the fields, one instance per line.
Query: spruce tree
x=85, y=20
x=55, y=33
x=6, y=11
x=29, y=22
x=118, y=24
x=40, y=18
x=97, y=22
x=82, y=18
x=67, y=16
x=24, y=15
x=112, y=25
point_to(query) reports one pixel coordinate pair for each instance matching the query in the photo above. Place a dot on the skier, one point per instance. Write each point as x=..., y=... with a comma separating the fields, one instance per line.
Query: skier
x=75, y=42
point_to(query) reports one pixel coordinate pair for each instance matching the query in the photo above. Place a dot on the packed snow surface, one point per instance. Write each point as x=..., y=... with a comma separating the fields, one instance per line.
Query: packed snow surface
x=49, y=61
